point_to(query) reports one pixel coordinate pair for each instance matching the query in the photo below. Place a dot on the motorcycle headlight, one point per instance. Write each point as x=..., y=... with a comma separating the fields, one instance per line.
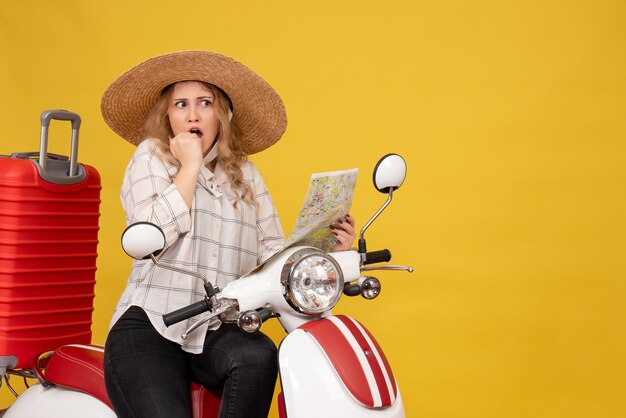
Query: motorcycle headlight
x=313, y=281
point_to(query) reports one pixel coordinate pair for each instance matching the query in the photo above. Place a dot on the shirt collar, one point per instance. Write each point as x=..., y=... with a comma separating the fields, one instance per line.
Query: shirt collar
x=209, y=180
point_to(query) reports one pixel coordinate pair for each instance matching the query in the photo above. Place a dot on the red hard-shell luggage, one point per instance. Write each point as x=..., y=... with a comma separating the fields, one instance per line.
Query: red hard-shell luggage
x=49, y=211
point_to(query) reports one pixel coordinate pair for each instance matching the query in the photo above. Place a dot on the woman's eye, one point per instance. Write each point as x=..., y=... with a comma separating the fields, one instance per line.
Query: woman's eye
x=206, y=102
x=180, y=104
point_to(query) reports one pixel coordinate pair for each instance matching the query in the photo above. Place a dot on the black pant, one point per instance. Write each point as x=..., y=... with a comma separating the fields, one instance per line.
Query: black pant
x=148, y=376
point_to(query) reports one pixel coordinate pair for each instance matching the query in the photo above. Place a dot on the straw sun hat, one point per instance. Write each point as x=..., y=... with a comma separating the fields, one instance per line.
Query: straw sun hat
x=258, y=111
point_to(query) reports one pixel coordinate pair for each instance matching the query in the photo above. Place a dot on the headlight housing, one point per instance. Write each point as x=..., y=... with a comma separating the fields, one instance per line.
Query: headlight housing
x=313, y=281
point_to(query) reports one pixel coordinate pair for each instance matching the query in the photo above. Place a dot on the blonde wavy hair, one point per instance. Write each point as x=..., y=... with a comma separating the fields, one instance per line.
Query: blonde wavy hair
x=230, y=156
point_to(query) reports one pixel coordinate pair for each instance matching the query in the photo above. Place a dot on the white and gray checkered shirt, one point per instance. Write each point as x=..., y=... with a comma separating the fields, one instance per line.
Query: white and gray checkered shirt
x=213, y=239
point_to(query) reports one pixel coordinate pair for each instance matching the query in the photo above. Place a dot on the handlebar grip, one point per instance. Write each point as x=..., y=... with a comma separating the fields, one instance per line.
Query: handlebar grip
x=187, y=312
x=381, y=256
x=264, y=313
x=351, y=289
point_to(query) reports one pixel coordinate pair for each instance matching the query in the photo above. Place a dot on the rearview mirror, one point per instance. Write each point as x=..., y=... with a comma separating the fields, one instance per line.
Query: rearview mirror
x=389, y=173
x=143, y=239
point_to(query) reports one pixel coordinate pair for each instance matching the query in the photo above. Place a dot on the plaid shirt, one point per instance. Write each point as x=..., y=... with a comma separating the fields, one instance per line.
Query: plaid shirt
x=214, y=239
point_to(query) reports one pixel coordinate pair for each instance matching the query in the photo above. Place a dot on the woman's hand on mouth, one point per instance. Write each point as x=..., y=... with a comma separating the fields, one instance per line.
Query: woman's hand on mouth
x=186, y=147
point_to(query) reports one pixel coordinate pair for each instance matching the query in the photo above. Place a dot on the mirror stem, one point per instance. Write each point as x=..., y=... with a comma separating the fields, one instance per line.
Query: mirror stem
x=362, y=244
x=208, y=287
x=176, y=269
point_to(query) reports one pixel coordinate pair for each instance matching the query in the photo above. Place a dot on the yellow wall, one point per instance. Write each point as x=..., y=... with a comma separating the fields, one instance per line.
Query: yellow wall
x=510, y=115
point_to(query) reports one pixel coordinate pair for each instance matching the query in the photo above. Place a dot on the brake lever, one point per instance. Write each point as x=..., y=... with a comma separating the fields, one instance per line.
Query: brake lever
x=220, y=310
x=388, y=267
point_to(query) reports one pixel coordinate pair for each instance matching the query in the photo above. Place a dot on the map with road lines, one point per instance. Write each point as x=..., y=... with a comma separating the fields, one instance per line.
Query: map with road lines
x=328, y=198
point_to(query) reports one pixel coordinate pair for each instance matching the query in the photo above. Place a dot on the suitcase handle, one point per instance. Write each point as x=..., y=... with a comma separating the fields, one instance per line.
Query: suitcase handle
x=46, y=118
x=29, y=155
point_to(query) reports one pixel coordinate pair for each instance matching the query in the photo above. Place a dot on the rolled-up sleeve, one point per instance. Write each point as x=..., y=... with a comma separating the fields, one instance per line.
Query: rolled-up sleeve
x=149, y=195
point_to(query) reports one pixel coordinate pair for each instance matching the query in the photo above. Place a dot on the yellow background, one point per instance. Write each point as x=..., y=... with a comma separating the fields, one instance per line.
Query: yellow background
x=510, y=115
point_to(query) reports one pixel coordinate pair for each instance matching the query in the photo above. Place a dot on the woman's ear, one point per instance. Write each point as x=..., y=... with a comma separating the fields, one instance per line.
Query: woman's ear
x=230, y=114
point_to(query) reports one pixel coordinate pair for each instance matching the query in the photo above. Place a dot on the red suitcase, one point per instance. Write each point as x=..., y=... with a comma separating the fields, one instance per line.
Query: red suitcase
x=49, y=211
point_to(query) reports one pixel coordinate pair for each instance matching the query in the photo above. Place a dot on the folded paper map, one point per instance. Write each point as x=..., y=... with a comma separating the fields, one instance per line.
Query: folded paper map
x=328, y=198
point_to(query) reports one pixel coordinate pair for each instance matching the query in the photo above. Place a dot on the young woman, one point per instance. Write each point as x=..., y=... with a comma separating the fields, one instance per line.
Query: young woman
x=194, y=116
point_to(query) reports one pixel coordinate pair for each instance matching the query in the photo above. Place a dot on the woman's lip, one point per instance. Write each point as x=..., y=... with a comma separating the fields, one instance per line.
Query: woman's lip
x=196, y=131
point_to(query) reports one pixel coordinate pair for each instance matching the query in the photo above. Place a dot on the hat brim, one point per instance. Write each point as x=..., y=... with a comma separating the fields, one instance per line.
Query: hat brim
x=258, y=111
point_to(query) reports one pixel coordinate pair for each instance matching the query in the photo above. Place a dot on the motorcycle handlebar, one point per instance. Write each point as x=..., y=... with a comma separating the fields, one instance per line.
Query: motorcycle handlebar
x=265, y=314
x=181, y=314
x=381, y=256
x=350, y=289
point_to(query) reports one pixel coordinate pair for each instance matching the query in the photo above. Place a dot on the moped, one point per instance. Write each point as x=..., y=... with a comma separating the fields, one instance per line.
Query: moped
x=329, y=365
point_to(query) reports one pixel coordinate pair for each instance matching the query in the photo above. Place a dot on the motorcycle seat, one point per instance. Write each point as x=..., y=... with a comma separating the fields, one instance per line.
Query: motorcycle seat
x=81, y=367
